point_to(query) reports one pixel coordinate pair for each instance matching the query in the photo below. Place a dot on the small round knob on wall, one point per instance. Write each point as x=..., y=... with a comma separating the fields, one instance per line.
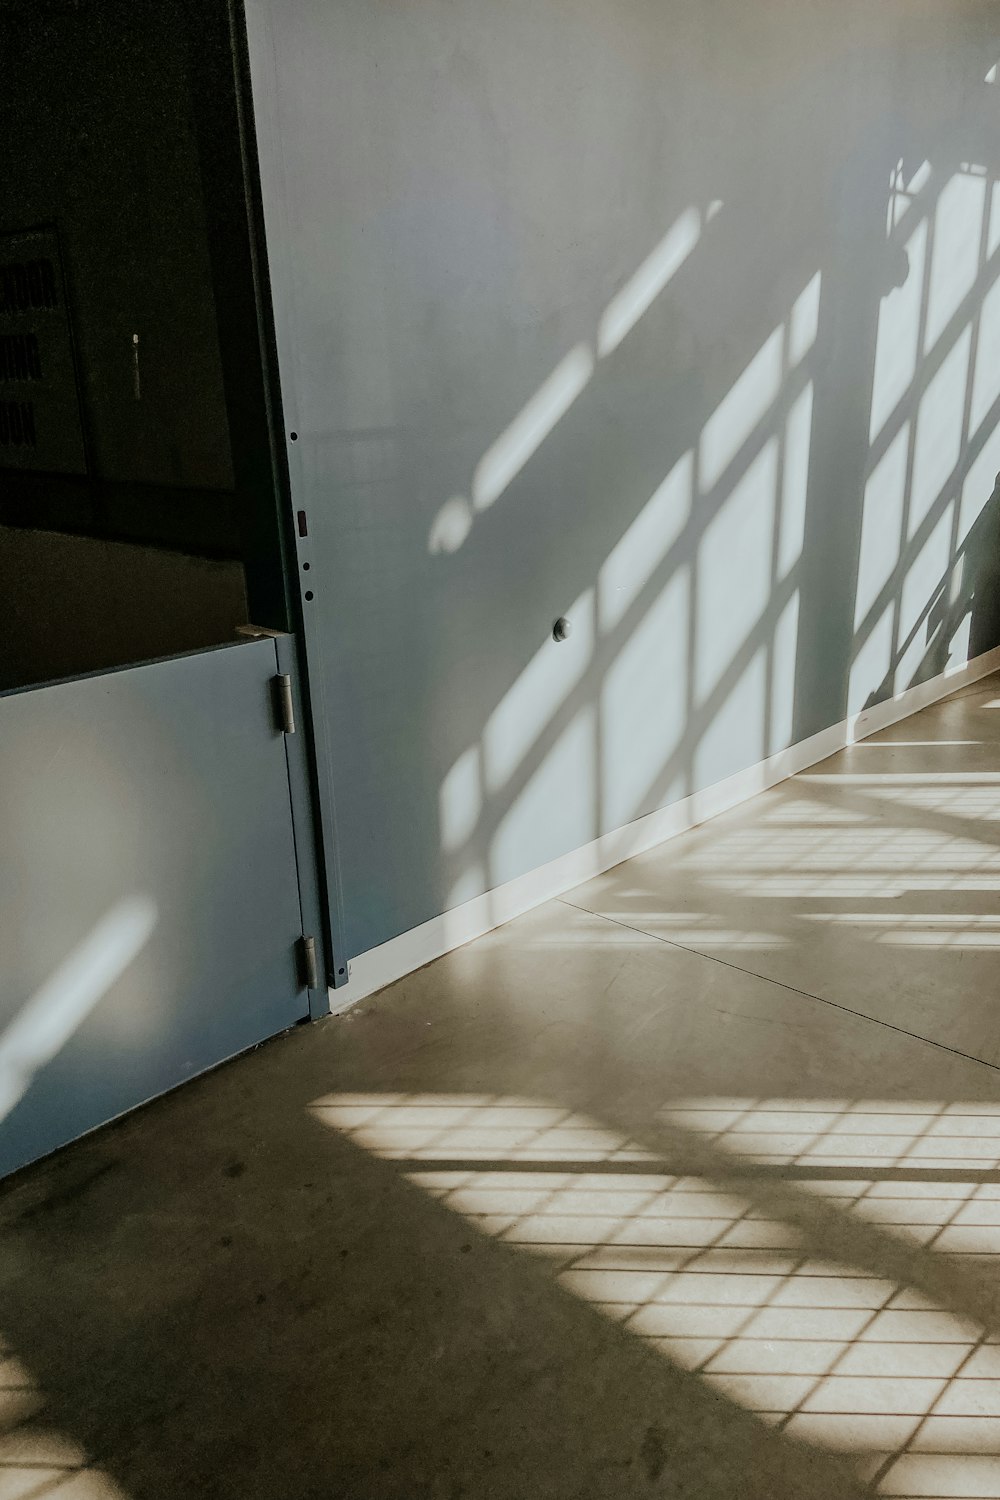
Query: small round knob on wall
x=562, y=629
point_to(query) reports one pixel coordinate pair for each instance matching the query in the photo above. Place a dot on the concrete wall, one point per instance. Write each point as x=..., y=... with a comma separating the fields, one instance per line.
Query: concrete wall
x=680, y=320
x=72, y=604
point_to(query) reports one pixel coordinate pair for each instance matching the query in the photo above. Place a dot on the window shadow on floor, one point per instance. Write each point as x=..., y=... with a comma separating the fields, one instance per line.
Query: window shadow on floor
x=224, y=1296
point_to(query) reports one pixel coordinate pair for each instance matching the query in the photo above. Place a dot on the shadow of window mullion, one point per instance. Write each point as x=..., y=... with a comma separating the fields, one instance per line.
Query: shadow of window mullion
x=829, y=1233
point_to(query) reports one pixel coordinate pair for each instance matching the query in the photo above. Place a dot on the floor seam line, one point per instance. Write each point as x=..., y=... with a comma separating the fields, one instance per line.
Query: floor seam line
x=780, y=983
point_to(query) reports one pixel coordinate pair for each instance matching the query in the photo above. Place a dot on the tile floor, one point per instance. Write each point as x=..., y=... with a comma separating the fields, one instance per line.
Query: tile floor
x=687, y=1184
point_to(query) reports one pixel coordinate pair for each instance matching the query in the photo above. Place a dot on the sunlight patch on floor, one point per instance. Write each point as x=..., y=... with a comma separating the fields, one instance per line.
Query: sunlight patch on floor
x=864, y=836
x=37, y=1460
x=700, y=1264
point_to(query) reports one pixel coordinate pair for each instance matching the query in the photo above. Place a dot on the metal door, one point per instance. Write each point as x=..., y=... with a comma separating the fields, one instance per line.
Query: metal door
x=149, y=908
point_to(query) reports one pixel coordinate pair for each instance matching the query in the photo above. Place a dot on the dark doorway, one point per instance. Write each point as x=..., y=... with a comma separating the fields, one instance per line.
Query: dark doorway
x=138, y=499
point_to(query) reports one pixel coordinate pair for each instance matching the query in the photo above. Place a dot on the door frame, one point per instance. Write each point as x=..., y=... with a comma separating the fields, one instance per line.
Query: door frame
x=276, y=590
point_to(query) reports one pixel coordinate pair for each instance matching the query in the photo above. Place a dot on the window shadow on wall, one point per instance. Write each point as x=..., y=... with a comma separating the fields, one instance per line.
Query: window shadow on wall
x=752, y=602
x=748, y=449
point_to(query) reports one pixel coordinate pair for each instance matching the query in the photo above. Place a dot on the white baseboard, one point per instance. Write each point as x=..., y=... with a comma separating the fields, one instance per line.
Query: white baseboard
x=380, y=966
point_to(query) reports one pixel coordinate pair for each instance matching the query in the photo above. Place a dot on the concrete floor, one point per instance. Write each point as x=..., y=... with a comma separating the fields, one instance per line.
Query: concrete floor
x=685, y=1185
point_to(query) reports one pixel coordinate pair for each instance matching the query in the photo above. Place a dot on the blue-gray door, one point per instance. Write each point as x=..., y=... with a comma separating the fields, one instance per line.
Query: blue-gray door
x=149, y=906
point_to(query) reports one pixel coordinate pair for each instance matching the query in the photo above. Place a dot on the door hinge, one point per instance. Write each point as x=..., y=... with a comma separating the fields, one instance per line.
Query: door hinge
x=283, y=705
x=305, y=950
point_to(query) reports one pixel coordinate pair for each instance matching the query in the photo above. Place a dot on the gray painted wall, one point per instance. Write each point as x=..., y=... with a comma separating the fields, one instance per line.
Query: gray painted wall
x=681, y=320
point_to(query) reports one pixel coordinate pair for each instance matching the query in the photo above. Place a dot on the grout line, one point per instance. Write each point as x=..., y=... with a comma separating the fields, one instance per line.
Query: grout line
x=779, y=983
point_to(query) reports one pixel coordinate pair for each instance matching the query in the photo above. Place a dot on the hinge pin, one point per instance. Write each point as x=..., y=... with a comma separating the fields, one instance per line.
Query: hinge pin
x=308, y=972
x=285, y=705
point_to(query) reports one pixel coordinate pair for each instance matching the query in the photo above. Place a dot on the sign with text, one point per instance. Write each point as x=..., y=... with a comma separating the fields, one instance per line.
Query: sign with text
x=40, y=426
